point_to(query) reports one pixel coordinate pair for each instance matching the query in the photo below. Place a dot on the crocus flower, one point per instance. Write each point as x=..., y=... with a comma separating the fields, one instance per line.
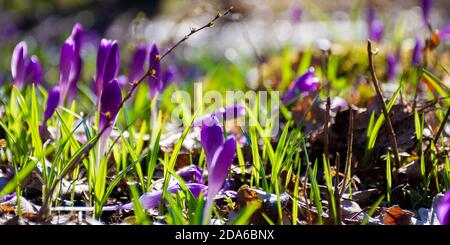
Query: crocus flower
x=443, y=209
x=52, y=103
x=375, y=25
x=191, y=172
x=155, y=70
x=417, y=52
x=305, y=83
x=426, y=9
x=392, y=67
x=18, y=64
x=110, y=101
x=137, y=63
x=219, y=155
x=107, y=64
x=296, y=13
x=65, y=65
x=153, y=199
x=33, y=72
x=77, y=36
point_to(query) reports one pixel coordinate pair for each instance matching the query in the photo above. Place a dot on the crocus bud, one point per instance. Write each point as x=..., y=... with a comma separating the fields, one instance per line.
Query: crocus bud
x=417, y=52
x=426, y=9
x=211, y=137
x=65, y=66
x=303, y=84
x=443, y=210
x=18, y=64
x=219, y=156
x=52, y=103
x=296, y=13
x=169, y=76
x=218, y=172
x=155, y=69
x=107, y=64
x=33, y=72
x=392, y=67
x=137, y=63
x=75, y=73
x=110, y=101
x=375, y=25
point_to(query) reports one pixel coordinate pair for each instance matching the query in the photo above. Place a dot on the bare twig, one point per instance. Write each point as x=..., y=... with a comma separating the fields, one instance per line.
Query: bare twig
x=348, y=161
x=390, y=129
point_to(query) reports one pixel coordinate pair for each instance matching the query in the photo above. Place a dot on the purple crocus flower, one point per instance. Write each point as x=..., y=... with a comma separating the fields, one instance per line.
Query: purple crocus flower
x=443, y=209
x=191, y=172
x=426, y=9
x=33, y=71
x=137, y=63
x=110, y=101
x=375, y=25
x=392, y=67
x=417, y=52
x=219, y=156
x=155, y=70
x=296, y=13
x=153, y=199
x=305, y=83
x=77, y=36
x=65, y=66
x=107, y=64
x=18, y=64
x=52, y=103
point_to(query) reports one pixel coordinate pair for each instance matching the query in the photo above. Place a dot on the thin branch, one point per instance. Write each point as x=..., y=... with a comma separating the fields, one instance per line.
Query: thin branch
x=390, y=129
x=348, y=161
x=439, y=132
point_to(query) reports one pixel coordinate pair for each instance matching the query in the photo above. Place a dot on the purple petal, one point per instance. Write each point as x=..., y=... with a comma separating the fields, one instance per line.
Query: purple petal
x=426, y=8
x=102, y=53
x=155, y=67
x=109, y=104
x=296, y=13
x=375, y=25
x=153, y=199
x=8, y=197
x=34, y=70
x=18, y=63
x=220, y=165
x=111, y=63
x=305, y=83
x=391, y=67
x=66, y=60
x=137, y=63
x=191, y=172
x=75, y=73
x=52, y=102
x=77, y=36
x=211, y=138
x=417, y=52
x=75, y=77
x=443, y=209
